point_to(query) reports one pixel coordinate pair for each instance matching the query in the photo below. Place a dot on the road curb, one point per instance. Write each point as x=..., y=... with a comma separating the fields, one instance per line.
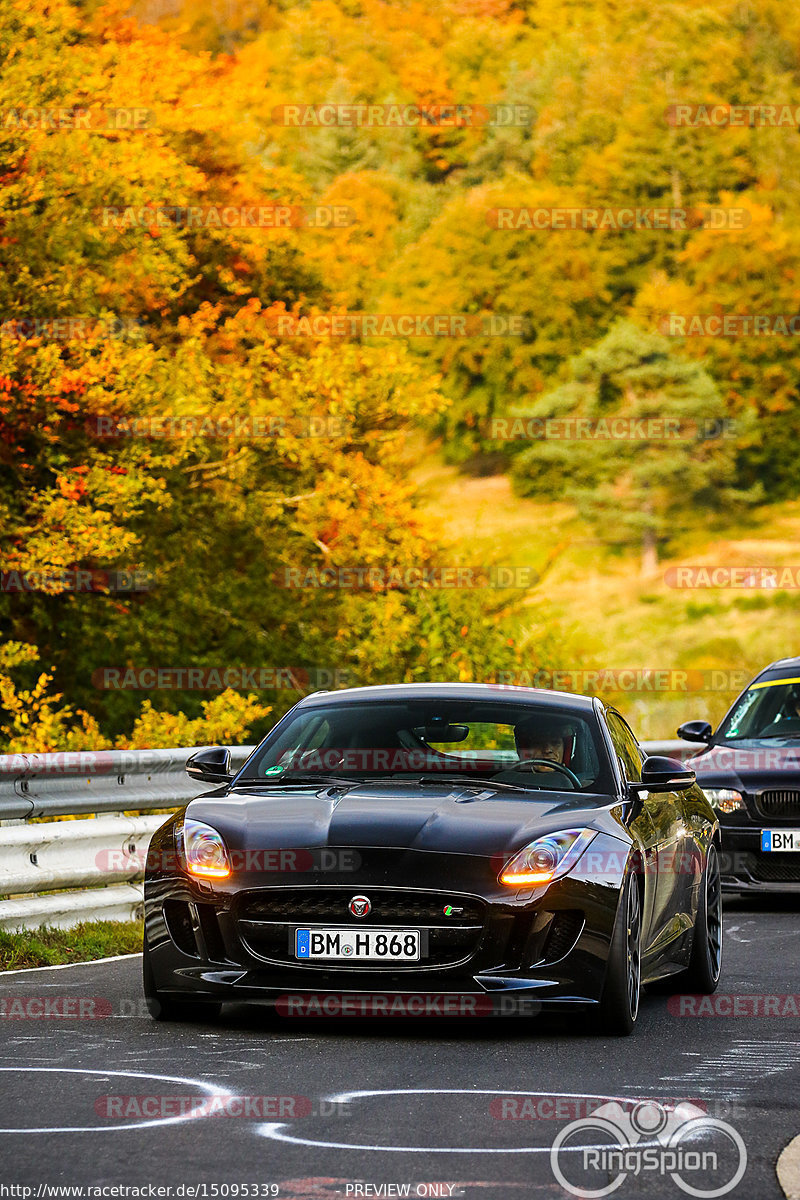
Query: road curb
x=788, y=1169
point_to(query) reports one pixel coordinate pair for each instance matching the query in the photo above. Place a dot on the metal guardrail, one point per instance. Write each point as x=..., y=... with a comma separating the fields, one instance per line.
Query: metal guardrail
x=97, y=781
x=104, y=856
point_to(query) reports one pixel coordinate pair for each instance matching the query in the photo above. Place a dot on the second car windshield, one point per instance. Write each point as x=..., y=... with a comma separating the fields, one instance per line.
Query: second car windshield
x=526, y=745
x=769, y=709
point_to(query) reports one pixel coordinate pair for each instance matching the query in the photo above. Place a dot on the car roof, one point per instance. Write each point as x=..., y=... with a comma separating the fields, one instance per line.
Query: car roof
x=541, y=697
x=782, y=668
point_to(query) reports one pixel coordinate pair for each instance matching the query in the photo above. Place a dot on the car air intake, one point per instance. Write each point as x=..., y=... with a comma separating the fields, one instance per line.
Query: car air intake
x=776, y=868
x=565, y=929
x=178, y=917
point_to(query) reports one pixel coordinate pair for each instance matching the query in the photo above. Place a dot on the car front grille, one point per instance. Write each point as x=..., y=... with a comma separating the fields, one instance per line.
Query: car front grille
x=265, y=920
x=779, y=803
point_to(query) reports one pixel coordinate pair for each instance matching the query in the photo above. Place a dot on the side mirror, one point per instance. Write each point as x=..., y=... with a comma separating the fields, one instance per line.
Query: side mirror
x=696, y=731
x=210, y=766
x=663, y=775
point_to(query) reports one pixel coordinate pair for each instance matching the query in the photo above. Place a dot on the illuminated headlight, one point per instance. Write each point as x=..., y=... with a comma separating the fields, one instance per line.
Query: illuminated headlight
x=204, y=851
x=547, y=858
x=725, y=800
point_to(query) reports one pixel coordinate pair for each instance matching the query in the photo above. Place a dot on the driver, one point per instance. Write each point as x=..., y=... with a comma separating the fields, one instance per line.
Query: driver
x=540, y=737
x=791, y=705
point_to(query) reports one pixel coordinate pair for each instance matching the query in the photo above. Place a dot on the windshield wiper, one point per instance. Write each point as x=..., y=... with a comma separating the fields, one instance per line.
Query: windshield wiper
x=465, y=781
x=298, y=777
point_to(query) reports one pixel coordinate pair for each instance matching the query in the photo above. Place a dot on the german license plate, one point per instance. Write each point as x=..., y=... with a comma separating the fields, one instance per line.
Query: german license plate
x=355, y=945
x=780, y=839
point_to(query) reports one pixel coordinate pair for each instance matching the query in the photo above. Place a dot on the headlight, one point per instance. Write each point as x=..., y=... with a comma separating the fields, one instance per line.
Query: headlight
x=725, y=800
x=204, y=851
x=547, y=858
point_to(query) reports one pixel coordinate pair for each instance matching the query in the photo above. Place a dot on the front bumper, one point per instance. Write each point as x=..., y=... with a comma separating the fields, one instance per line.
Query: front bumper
x=509, y=953
x=745, y=867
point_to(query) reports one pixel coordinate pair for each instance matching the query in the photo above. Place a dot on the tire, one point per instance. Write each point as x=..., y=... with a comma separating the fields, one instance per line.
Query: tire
x=705, y=964
x=171, y=1008
x=619, y=1003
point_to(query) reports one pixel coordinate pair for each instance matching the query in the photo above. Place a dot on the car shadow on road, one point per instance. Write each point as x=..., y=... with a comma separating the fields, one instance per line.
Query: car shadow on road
x=261, y=1018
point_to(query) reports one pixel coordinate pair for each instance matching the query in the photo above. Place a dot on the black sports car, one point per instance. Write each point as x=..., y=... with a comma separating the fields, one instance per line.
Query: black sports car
x=498, y=849
x=750, y=772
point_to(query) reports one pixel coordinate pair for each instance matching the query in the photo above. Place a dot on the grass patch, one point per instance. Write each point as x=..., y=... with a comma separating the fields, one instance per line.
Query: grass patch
x=48, y=947
x=602, y=612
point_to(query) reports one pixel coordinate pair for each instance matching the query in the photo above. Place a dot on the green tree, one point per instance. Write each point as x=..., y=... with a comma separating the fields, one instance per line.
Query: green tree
x=652, y=448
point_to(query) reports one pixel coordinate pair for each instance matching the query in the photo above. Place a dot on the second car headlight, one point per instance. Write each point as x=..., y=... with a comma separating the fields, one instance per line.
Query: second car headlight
x=546, y=859
x=725, y=800
x=204, y=851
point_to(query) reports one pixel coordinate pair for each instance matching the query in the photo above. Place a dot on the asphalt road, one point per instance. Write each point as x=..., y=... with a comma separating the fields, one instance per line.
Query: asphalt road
x=346, y=1107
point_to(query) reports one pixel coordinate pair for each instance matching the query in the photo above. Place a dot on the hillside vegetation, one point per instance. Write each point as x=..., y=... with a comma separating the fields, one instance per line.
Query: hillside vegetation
x=176, y=219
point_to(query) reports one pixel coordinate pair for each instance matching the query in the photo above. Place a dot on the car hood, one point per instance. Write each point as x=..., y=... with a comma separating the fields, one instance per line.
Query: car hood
x=445, y=818
x=749, y=768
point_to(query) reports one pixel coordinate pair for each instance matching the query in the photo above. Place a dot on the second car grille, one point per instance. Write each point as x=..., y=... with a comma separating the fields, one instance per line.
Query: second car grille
x=266, y=918
x=776, y=868
x=785, y=803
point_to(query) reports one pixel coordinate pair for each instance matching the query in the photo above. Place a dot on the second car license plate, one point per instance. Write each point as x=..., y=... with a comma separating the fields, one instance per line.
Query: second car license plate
x=780, y=839
x=353, y=945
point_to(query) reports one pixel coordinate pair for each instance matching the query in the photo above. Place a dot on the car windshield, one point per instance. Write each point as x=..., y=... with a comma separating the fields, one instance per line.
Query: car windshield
x=769, y=709
x=529, y=746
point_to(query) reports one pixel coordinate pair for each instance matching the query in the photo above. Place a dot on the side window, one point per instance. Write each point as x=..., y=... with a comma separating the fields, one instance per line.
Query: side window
x=625, y=745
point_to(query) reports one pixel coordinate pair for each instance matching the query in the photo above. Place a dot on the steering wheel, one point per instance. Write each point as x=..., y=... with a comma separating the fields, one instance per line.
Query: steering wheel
x=525, y=764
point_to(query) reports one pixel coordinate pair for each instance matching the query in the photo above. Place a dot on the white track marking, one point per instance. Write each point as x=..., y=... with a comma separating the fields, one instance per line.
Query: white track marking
x=209, y=1088
x=274, y=1130
x=747, y=1059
